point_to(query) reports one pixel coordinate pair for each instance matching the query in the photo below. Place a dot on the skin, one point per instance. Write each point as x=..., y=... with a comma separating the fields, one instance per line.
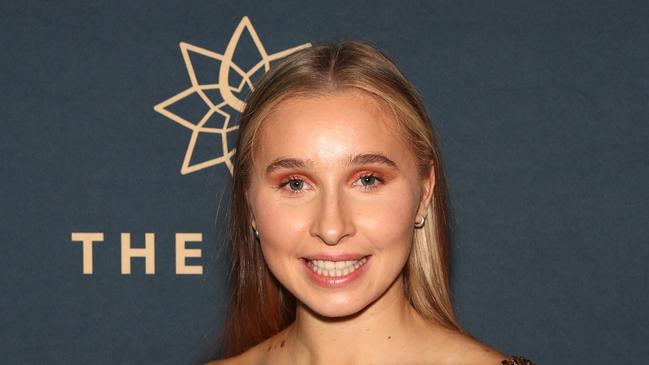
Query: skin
x=331, y=206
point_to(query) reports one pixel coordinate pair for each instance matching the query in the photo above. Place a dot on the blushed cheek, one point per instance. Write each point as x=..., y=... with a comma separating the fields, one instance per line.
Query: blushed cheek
x=280, y=228
x=389, y=224
x=278, y=221
x=278, y=246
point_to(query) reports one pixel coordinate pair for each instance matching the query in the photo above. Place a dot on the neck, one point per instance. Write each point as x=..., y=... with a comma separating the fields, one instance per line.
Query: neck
x=365, y=337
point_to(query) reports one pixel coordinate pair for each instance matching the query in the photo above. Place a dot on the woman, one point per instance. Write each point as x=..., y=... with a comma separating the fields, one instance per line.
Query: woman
x=338, y=221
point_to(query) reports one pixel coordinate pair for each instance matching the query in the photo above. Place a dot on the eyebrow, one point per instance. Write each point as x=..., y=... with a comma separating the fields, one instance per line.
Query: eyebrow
x=362, y=159
x=367, y=158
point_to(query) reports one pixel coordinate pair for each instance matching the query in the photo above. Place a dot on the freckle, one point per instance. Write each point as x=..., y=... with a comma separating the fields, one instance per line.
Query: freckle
x=282, y=345
x=367, y=329
x=389, y=337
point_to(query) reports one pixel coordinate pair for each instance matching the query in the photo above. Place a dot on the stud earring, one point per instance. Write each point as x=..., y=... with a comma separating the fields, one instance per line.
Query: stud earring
x=420, y=224
x=256, y=234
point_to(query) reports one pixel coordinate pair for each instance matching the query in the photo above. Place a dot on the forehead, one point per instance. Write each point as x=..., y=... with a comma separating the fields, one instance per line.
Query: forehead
x=328, y=128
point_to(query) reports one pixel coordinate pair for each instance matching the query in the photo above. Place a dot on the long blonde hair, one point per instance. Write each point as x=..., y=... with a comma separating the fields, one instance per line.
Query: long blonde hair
x=259, y=306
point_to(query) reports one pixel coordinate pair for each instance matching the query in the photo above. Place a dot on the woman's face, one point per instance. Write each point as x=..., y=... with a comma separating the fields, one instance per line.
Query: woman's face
x=334, y=195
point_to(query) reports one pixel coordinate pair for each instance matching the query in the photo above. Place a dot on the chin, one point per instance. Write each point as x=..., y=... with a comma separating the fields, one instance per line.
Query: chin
x=336, y=311
x=336, y=307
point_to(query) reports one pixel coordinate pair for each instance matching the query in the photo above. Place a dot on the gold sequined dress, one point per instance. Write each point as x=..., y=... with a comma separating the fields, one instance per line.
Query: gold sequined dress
x=517, y=360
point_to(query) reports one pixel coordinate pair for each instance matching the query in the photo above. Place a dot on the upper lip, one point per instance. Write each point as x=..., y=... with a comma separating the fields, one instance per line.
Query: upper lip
x=335, y=257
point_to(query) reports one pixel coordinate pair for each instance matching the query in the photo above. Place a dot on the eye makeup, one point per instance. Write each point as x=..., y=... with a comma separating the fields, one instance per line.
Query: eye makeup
x=369, y=181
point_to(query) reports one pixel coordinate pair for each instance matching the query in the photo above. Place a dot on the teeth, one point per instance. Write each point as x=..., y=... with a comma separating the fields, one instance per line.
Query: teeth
x=336, y=268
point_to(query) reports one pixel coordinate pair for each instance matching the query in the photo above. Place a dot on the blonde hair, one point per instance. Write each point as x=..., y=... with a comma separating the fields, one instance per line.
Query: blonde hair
x=259, y=306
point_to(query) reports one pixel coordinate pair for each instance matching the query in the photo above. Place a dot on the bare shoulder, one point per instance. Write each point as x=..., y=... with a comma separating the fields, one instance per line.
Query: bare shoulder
x=462, y=349
x=474, y=352
x=235, y=360
x=256, y=355
x=249, y=357
x=229, y=361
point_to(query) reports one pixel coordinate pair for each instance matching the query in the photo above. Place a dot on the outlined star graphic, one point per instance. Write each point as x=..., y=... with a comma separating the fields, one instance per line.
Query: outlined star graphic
x=218, y=108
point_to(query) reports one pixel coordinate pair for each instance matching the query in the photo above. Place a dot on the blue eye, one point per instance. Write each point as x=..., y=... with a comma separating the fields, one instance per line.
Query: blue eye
x=368, y=180
x=296, y=184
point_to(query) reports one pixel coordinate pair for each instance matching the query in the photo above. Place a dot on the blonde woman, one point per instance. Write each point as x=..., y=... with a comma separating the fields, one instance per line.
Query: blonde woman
x=338, y=221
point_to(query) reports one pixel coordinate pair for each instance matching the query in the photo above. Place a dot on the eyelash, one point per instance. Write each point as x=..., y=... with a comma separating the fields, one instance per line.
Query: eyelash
x=367, y=188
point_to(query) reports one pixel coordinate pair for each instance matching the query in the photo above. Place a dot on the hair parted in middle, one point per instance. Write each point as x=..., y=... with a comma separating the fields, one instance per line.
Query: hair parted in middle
x=259, y=306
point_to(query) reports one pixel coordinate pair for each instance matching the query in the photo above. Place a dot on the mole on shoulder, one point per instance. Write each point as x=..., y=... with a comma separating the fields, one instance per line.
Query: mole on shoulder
x=389, y=337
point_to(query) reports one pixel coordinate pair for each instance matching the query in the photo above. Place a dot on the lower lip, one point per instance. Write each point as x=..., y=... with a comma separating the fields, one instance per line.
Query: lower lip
x=334, y=281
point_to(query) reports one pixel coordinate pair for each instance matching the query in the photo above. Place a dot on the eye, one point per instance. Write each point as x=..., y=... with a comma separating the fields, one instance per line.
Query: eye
x=369, y=182
x=294, y=185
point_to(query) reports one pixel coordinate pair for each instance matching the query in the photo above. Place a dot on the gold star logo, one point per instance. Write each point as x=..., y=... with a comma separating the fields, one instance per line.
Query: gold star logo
x=220, y=98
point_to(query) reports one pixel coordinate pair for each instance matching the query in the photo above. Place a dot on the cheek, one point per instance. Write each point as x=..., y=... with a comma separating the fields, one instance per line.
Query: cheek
x=281, y=228
x=389, y=222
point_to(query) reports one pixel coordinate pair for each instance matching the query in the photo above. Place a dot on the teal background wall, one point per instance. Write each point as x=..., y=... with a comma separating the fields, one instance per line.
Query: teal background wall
x=542, y=109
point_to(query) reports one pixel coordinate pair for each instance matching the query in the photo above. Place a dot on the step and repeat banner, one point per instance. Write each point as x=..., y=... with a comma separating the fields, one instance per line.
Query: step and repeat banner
x=119, y=121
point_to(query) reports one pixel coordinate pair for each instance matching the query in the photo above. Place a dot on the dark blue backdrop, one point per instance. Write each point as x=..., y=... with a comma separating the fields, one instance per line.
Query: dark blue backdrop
x=542, y=109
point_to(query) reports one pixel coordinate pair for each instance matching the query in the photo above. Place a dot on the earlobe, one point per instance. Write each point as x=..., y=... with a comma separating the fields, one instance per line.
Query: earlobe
x=254, y=227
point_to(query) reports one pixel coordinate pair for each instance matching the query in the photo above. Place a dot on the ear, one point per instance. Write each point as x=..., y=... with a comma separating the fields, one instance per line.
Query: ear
x=427, y=188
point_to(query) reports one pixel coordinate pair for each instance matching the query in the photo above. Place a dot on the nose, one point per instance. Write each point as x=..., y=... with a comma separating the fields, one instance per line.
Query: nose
x=332, y=222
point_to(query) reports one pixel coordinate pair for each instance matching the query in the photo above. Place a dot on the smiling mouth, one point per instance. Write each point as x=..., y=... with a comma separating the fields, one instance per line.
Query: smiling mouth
x=335, y=268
